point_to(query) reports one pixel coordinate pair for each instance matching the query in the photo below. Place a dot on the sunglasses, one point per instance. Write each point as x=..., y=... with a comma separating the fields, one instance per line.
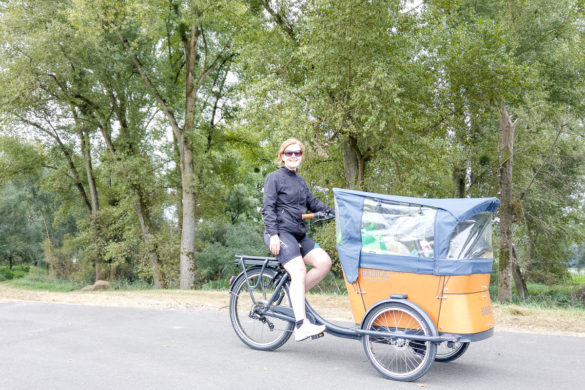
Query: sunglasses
x=291, y=153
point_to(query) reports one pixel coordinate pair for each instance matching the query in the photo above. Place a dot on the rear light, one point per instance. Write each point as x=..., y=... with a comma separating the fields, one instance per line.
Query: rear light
x=232, y=280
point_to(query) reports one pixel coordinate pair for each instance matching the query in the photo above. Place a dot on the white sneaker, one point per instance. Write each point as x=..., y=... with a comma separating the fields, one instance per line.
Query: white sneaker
x=307, y=330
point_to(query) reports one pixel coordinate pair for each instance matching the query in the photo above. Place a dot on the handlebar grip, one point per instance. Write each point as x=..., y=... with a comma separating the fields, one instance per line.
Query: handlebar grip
x=308, y=216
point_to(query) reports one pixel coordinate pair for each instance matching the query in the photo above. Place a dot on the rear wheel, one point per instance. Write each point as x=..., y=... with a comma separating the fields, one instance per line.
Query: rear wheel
x=255, y=330
x=448, y=351
x=395, y=357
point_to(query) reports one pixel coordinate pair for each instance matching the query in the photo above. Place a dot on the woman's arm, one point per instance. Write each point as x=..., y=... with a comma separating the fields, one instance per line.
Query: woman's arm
x=269, y=205
x=314, y=204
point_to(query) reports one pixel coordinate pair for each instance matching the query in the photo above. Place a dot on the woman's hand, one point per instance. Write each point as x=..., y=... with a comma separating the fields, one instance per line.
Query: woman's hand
x=275, y=244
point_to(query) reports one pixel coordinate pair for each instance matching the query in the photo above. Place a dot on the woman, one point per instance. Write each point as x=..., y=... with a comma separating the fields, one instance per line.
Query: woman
x=286, y=197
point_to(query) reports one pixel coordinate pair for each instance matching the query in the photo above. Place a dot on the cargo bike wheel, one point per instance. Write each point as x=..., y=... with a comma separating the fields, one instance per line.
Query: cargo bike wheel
x=395, y=357
x=448, y=351
x=255, y=330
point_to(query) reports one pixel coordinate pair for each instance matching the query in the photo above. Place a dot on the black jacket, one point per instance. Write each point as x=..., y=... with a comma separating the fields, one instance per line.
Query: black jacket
x=286, y=198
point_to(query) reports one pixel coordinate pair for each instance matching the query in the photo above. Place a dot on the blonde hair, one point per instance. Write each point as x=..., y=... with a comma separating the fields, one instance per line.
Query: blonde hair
x=286, y=144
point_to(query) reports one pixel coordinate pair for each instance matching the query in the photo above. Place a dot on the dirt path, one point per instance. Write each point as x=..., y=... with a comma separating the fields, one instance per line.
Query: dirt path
x=508, y=318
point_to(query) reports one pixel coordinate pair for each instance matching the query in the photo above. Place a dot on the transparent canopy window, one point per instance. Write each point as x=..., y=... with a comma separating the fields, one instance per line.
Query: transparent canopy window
x=397, y=229
x=472, y=238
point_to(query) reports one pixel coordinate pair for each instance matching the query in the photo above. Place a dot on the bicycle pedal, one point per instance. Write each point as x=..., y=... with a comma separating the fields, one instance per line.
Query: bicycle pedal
x=318, y=336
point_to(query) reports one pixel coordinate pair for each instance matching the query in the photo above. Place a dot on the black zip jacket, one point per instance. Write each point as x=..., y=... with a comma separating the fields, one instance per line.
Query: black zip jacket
x=286, y=198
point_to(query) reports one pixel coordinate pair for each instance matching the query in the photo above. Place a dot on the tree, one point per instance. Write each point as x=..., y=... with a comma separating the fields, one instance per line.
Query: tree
x=64, y=95
x=196, y=37
x=498, y=60
x=26, y=210
x=353, y=93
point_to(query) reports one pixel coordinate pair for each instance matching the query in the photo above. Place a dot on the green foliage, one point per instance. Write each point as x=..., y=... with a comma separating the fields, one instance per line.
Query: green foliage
x=39, y=279
x=386, y=99
x=324, y=235
x=22, y=223
x=567, y=292
x=219, y=242
x=17, y=271
x=241, y=202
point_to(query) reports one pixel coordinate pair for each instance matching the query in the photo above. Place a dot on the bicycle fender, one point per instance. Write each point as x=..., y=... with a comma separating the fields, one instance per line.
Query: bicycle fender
x=408, y=303
x=240, y=275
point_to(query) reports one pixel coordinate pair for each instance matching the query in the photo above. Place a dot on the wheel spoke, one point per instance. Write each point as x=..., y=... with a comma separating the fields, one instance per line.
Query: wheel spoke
x=255, y=330
x=395, y=357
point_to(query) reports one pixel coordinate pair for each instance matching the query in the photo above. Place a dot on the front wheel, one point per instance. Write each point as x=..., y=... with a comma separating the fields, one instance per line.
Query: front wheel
x=394, y=357
x=448, y=351
x=255, y=330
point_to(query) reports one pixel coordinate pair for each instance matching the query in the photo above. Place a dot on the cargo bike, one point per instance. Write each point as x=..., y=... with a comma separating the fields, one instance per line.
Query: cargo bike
x=417, y=274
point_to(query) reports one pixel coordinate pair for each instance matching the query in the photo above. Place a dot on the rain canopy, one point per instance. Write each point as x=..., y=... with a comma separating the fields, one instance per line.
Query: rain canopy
x=404, y=234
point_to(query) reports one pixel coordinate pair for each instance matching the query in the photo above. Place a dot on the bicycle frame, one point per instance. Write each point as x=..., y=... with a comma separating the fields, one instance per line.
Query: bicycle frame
x=286, y=313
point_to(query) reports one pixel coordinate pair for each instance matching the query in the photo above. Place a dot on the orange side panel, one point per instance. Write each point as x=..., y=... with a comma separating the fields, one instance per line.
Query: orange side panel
x=355, y=299
x=465, y=284
x=374, y=285
x=456, y=304
x=466, y=313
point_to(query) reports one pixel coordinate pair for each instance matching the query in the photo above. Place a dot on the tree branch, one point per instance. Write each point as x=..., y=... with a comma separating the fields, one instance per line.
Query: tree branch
x=281, y=21
x=212, y=66
x=149, y=84
x=544, y=162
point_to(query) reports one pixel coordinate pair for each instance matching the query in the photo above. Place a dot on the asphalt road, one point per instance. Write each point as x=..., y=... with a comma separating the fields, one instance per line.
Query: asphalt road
x=54, y=346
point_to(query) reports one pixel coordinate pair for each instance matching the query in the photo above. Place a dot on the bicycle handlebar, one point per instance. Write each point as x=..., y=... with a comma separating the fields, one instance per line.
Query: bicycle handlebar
x=322, y=216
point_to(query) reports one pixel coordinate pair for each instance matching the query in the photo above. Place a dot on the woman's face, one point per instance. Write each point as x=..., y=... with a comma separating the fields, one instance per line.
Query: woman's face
x=292, y=157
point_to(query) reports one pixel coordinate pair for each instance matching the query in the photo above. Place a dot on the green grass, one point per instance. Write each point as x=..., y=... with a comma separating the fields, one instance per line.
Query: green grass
x=578, y=279
x=39, y=279
x=566, y=295
x=130, y=285
x=216, y=285
x=57, y=285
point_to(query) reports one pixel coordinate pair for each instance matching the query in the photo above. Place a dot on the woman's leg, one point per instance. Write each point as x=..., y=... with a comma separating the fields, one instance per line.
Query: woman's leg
x=298, y=272
x=321, y=263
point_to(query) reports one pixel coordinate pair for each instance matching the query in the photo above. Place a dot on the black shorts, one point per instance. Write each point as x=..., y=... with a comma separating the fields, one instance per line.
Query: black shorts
x=289, y=246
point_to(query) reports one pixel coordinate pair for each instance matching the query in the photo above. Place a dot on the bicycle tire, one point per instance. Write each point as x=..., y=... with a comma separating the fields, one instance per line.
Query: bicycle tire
x=398, y=358
x=448, y=354
x=258, y=332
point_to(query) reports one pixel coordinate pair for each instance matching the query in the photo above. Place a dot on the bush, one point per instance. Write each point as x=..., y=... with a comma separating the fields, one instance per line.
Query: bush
x=5, y=273
x=17, y=271
x=324, y=235
x=168, y=247
x=219, y=243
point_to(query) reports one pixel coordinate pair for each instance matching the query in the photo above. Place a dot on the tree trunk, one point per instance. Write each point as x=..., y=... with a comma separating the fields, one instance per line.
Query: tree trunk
x=177, y=186
x=93, y=196
x=354, y=163
x=350, y=166
x=507, y=128
x=188, y=227
x=519, y=281
x=189, y=203
x=76, y=176
x=148, y=240
x=459, y=175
